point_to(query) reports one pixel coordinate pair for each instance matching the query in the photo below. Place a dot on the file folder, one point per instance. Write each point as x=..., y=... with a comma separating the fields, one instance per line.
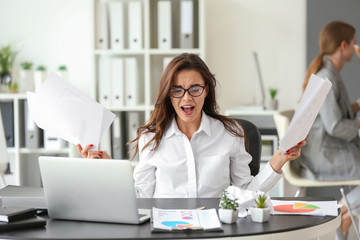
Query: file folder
x=7, y=112
x=166, y=61
x=186, y=24
x=135, y=25
x=53, y=142
x=102, y=31
x=116, y=22
x=105, y=142
x=105, y=82
x=133, y=122
x=33, y=134
x=117, y=82
x=118, y=137
x=164, y=25
x=131, y=82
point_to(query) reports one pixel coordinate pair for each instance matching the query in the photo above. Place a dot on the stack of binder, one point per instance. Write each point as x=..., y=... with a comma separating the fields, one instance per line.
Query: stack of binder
x=15, y=218
x=119, y=82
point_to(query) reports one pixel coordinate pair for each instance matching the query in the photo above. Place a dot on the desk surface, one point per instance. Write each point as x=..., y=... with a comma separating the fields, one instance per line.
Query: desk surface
x=278, y=227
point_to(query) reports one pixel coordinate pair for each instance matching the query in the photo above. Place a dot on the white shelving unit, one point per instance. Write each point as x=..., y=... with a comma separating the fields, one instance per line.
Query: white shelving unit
x=149, y=57
x=24, y=167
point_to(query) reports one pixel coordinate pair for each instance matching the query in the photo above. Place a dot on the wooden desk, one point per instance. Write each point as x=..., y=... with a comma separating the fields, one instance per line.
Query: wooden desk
x=278, y=227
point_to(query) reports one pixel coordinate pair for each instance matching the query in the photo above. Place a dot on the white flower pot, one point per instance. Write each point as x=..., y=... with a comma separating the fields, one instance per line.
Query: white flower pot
x=26, y=81
x=39, y=78
x=228, y=215
x=272, y=104
x=260, y=214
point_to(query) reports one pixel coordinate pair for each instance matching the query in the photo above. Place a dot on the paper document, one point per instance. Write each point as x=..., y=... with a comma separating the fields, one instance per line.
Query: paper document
x=304, y=117
x=185, y=219
x=320, y=208
x=64, y=111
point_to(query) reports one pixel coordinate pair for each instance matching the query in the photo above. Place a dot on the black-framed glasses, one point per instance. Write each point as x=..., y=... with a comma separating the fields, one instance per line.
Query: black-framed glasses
x=194, y=91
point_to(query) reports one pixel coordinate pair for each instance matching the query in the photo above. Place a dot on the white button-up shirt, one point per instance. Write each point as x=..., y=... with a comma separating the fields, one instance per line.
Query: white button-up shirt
x=201, y=167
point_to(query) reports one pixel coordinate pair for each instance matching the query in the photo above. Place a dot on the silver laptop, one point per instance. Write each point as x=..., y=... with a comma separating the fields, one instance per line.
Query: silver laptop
x=90, y=190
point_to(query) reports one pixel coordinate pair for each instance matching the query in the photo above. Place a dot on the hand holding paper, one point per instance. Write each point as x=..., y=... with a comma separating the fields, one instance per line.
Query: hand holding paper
x=66, y=112
x=309, y=107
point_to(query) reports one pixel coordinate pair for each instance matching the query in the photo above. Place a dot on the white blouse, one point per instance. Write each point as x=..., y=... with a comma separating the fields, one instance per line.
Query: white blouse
x=203, y=167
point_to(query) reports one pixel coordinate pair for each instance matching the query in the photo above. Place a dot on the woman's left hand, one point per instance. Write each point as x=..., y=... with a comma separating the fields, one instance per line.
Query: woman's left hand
x=279, y=159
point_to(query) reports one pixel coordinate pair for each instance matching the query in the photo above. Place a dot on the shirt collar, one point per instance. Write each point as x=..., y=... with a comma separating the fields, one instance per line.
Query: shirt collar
x=173, y=128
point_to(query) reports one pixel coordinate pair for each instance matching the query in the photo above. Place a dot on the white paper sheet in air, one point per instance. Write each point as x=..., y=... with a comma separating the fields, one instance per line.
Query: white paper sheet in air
x=304, y=117
x=66, y=112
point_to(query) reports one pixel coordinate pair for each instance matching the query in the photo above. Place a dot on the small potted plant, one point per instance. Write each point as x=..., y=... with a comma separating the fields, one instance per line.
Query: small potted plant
x=7, y=57
x=39, y=76
x=273, y=103
x=260, y=213
x=26, y=80
x=63, y=72
x=228, y=211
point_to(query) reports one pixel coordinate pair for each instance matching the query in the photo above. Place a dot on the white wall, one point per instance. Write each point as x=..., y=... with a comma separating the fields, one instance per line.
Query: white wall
x=51, y=33
x=54, y=32
x=275, y=29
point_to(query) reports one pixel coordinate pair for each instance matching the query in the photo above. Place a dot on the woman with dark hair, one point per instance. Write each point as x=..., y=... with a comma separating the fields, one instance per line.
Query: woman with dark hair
x=187, y=149
x=333, y=150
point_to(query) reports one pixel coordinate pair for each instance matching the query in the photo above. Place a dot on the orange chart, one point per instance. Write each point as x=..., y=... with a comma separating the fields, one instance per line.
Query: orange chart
x=296, y=208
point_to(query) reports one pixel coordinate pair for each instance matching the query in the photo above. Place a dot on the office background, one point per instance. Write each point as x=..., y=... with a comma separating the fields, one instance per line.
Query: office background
x=58, y=32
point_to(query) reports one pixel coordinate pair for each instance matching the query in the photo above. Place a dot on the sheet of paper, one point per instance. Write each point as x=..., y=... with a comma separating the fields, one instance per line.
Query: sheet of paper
x=167, y=219
x=66, y=112
x=319, y=208
x=309, y=107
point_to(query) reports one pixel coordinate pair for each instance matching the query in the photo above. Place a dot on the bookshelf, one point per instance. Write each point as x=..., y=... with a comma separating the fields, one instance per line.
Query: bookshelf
x=24, y=168
x=149, y=56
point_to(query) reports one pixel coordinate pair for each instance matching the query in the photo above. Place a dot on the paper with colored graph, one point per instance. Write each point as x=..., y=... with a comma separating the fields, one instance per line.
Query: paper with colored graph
x=304, y=117
x=320, y=208
x=185, y=219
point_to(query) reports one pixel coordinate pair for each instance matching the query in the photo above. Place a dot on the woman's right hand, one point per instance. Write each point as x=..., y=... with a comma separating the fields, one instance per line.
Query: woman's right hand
x=92, y=154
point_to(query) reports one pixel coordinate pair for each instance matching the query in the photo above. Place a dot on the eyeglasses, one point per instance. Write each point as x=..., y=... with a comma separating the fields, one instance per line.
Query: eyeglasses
x=194, y=91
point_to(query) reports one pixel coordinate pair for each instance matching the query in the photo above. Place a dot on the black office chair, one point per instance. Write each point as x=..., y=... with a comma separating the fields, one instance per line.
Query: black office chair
x=253, y=145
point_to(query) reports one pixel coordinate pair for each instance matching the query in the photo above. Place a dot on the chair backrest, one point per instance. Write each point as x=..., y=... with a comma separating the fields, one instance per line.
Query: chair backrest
x=254, y=144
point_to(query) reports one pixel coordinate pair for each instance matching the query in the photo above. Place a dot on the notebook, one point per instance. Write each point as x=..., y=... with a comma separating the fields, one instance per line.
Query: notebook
x=90, y=190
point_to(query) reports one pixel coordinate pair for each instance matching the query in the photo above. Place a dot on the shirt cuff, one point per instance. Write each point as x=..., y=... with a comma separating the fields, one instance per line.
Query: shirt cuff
x=268, y=177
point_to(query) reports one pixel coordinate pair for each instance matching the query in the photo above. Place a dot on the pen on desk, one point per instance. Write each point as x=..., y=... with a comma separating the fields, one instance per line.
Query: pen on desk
x=200, y=208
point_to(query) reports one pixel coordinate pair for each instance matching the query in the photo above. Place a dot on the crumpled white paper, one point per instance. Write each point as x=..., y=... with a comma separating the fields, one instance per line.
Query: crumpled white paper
x=246, y=199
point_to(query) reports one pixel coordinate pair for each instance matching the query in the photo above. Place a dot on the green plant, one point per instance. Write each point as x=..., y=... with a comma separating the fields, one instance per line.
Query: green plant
x=26, y=65
x=273, y=92
x=41, y=68
x=260, y=201
x=14, y=87
x=7, y=57
x=62, y=68
x=228, y=201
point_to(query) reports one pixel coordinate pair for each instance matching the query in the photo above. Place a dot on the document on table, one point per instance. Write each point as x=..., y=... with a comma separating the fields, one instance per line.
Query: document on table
x=64, y=111
x=319, y=208
x=309, y=107
x=164, y=220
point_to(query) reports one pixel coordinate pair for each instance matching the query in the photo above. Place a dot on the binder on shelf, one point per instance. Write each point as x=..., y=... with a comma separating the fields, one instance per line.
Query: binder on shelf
x=105, y=81
x=135, y=25
x=133, y=122
x=186, y=24
x=166, y=61
x=33, y=134
x=116, y=22
x=102, y=32
x=105, y=143
x=131, y=82
x=118, y=138
x=164, y=25
x=7, y=113
x=117, y=82
x=53, y=142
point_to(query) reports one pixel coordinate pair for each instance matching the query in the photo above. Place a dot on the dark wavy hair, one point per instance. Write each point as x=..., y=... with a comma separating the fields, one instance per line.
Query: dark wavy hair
x=163, y=109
